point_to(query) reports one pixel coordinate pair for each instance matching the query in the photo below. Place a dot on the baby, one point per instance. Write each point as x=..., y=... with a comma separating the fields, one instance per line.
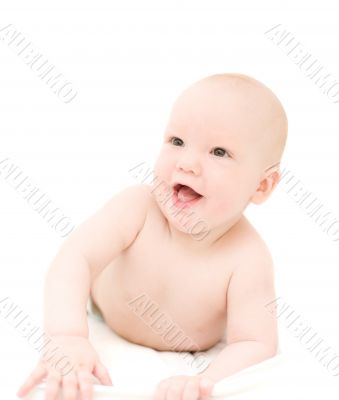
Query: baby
x=182, y=243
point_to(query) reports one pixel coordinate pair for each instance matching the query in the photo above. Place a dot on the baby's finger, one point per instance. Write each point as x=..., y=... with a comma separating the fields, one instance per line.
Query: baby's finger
x=174, y=390
x=161, y=390
x=52, y=385
x=85, y=380
x=100, y=372
x=206, y=386
x=191, y=390
x=33, y=379
x=70, y=386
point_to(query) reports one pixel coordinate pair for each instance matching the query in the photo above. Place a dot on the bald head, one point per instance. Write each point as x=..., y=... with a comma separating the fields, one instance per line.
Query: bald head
x=261, y=117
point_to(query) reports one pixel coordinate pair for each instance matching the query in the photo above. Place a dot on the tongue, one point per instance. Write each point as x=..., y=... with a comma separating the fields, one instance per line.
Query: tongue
x=185, y=193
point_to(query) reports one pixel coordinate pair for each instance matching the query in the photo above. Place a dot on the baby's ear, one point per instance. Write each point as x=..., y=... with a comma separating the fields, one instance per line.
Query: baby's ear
x=266, y=187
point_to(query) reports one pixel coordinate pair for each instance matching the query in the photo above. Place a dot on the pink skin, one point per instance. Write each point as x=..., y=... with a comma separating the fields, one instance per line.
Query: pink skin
x=224, y=139
x=182, y=387
x=219, y=154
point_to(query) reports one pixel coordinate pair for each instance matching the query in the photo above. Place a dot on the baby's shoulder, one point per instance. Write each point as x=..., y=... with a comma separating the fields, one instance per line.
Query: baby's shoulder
x=146, y=192
x=251, y=247
x=141, y=191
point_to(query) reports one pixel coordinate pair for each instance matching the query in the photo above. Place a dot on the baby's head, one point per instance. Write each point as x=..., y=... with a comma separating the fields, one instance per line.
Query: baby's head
x=225, y=138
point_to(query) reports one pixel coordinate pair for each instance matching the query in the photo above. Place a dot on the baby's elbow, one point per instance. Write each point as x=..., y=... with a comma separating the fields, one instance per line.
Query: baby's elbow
x=272, y=343
x=272, y=349
x=273, y=352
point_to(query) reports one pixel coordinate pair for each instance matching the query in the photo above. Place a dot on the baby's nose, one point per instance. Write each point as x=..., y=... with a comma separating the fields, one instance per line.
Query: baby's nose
x=189, y=163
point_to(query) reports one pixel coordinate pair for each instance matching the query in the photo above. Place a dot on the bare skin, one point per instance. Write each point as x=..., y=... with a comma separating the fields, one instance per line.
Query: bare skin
x=180, y=282
x=224, y=138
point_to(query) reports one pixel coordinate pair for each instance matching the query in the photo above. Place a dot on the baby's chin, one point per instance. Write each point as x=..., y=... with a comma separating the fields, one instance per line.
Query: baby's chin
x=186, y=220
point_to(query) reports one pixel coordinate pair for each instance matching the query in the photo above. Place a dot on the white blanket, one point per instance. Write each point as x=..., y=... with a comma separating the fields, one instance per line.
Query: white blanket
x=135, y=370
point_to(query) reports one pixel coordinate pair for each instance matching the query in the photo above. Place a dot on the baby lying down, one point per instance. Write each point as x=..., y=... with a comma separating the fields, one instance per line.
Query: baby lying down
x=182, y=243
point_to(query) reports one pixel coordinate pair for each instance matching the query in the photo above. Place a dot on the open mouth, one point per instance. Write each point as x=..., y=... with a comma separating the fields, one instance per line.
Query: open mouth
x=185, y=196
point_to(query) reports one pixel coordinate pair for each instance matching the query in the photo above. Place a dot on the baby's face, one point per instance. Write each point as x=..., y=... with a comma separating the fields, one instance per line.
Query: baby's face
x=213, y=143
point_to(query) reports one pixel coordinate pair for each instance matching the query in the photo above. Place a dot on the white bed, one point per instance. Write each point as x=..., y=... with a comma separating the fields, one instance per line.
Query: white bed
x=135, y=371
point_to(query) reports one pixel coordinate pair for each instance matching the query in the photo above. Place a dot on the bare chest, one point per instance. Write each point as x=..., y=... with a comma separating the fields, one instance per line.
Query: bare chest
x=153, y=289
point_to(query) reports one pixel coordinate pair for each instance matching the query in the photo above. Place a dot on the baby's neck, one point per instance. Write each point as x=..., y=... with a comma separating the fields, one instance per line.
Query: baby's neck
x=202, y=241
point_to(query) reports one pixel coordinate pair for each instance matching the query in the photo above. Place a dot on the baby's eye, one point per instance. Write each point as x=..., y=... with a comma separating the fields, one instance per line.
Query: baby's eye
x=174, y=140
x=220, y=152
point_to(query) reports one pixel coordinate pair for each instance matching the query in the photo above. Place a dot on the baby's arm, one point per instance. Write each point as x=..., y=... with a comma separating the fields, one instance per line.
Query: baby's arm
x=85, y=253
x=251, y=331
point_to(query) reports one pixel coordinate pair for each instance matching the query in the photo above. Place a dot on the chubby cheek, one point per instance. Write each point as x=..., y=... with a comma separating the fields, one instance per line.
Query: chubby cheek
x=162, y=178
x=159, y=169
x=226, y=200
x=221, y=206
x=164, y=166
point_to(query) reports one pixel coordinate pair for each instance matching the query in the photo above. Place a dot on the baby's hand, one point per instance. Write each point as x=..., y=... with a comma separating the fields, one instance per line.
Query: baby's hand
x=85, y=362
x=183, y=387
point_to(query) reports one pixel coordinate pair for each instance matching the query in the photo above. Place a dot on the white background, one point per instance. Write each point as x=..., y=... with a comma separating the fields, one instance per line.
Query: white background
x=129, y=60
